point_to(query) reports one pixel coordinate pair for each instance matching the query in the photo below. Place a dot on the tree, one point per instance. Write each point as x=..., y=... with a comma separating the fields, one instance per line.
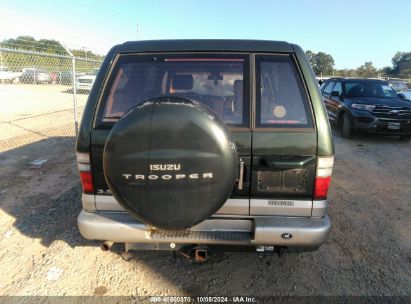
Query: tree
x=50, y=46
x=87, y=54
x=387, y=71
x=325, y=63
x=28, y=43
x=311, y=57
x=402, y=64
x=367, y=70
x=322, y=63
x=346, y=73
x=17, y=61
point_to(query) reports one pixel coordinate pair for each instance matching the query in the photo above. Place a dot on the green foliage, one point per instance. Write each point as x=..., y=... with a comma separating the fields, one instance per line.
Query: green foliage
x=28, y=43
x=311, y=57
x=367, y=70
x=322, y=63
x=18, y=61
x=346, y=73
x=48, y=46
x=87, y=55
x=401, y=65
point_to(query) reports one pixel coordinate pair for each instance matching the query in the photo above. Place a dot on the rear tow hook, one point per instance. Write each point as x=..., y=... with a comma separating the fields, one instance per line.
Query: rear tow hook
x=201, y=255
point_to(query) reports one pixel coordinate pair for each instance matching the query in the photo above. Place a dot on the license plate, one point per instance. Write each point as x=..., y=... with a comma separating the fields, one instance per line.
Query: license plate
x=393, y=125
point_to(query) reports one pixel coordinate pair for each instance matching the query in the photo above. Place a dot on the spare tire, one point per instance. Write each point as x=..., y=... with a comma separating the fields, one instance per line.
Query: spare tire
x=170, y=162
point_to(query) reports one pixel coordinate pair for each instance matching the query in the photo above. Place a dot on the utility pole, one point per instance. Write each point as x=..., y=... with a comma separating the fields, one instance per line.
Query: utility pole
x=137, y=31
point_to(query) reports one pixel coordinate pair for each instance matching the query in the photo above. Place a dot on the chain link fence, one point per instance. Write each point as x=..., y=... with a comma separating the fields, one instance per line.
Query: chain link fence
x=42, y=96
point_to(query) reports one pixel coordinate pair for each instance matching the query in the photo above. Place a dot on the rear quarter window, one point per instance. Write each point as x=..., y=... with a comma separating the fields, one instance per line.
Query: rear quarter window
x=328, y=87
x=282, y=101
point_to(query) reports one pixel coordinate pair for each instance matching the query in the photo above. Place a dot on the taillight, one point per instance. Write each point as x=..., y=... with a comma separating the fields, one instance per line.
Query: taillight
x=323, y=177
x=86, y=178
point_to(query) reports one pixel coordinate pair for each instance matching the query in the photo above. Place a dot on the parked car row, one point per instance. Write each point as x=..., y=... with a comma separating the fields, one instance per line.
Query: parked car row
x=7, y=76
x=84, y=81
x=33, y=75
x=370, y=105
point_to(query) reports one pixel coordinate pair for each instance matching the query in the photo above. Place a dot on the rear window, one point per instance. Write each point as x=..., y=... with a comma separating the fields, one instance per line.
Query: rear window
x=368, y=89
x=214, y=80
x=328, y=87
x=281, y=98
x=338, y=88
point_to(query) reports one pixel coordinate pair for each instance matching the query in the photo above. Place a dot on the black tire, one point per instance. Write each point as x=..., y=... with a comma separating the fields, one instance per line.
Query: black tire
x=346, y=125
x=170, y=162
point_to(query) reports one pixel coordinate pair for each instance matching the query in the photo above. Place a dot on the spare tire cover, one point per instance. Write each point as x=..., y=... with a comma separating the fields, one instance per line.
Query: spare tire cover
x=170, y=162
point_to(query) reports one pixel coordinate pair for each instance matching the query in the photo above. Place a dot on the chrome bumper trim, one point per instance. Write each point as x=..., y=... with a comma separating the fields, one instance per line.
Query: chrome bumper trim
x=231, y=206
x=280, y=207
x=122, y=228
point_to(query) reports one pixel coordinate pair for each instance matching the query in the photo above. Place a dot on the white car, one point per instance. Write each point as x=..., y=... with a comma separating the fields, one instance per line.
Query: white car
x=7, y=76
x=84, y=83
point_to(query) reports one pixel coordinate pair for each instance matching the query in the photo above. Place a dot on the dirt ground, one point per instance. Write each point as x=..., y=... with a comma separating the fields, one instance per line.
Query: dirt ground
x=368, y=252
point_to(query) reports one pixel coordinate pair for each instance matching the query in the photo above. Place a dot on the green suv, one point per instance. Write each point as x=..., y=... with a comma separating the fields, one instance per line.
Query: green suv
x=194, y=143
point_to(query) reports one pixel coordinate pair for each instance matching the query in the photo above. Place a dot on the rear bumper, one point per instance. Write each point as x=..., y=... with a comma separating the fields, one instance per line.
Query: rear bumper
x=281, y=231
x=373, y=124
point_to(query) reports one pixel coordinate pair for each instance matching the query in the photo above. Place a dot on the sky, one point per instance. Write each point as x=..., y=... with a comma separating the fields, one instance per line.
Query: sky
x=352, y=31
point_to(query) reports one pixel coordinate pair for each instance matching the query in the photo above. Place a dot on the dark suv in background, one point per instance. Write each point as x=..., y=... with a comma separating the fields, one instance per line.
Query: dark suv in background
x=367, y=105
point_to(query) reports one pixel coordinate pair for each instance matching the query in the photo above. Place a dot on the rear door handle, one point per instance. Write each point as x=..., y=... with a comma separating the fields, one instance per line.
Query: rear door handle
x=241, y=175
x=284, y=164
